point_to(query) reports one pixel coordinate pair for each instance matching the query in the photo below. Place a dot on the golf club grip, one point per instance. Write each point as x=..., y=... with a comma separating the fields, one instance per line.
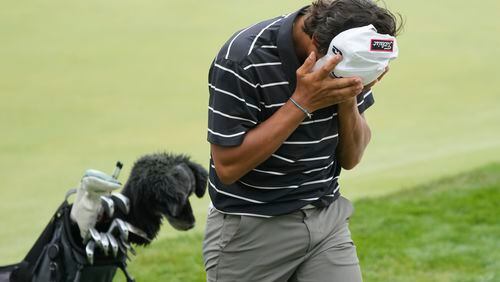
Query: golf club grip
x=118, y=168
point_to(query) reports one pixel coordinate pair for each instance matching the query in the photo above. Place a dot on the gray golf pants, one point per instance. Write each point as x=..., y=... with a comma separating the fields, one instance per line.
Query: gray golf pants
x=312, y=245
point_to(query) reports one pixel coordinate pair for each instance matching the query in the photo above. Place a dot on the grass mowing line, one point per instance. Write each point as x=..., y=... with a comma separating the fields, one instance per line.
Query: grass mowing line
x=446, y=230
x=358, y=183
x=450, y=150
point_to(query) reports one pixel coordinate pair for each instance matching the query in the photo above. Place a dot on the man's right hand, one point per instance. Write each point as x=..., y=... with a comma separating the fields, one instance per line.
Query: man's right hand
x=317, y=90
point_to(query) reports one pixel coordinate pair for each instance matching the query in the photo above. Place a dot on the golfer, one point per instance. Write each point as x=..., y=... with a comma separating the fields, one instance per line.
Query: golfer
x=280, y=135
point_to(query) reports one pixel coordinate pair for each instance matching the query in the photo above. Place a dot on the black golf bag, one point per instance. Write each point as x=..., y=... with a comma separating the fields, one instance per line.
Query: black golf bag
x=158, y=187
x=59, y=255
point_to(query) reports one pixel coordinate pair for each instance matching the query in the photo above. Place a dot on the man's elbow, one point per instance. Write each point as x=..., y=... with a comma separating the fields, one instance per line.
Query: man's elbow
x=350, y=163
x=225, y=166
x=225, y=175
x=352, y=158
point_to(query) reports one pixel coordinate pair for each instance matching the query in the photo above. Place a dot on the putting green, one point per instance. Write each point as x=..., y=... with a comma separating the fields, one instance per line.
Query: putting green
x=85, y=84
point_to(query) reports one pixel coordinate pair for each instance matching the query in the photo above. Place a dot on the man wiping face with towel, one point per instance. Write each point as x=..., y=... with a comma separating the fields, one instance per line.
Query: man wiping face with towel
x=285, y=116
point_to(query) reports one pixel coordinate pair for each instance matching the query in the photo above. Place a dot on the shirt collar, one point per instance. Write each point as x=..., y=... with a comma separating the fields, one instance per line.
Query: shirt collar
x=286, y=48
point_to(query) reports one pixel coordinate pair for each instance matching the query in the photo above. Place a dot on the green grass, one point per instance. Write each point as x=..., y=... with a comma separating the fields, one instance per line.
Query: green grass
x=176, y=259
x=83, y=84
x=447, y=230
x=443, y=231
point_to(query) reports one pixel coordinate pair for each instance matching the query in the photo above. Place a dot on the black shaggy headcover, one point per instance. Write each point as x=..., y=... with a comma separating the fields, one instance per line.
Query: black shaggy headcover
x=159, y=186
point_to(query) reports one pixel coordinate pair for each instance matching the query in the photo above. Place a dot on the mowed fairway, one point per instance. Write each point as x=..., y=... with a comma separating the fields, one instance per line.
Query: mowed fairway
x=83, y=84
x=436, y=232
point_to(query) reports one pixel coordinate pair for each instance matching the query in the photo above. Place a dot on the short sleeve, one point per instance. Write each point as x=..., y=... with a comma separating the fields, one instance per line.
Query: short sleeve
x=233, y=104
x=365, y=100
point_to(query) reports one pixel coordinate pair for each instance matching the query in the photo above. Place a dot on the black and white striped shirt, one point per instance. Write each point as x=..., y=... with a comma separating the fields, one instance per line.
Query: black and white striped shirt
x=252, y=76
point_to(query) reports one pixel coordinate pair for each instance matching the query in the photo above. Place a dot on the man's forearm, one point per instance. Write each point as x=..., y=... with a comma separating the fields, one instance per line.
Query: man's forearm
x=231, y=163
x=354, y=134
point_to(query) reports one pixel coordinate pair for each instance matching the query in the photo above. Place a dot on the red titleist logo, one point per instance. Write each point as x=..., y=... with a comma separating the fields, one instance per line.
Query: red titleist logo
x=382, y=45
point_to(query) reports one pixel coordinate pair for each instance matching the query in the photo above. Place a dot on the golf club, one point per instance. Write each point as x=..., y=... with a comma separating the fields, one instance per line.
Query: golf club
x=105, y=243
x=108, y=206
x=128, y=247
x=125, y=247
x=136, y=231
x=89, y=250
x=113, y=244
x=93, y=234
x=122, y=202
x=119, y=225
x=118, y=168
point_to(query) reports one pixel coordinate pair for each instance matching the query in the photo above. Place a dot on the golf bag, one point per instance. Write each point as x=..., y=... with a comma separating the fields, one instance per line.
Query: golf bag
x=59, y=255
x=91, y=238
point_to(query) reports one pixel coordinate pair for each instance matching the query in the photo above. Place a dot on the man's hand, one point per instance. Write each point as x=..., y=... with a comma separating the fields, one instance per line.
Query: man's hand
x=317, y=90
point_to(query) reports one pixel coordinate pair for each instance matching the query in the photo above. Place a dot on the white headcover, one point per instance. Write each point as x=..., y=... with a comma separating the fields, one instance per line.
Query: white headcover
x=87, y=205
x=365, y=53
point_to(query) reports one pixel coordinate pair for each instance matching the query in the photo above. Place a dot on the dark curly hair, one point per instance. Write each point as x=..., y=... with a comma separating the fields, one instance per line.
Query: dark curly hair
x=324, y=19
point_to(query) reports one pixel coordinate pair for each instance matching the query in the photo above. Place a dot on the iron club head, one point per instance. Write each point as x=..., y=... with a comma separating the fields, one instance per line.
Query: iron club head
x=122, y=247
x=122, y=202
x=89, y=250
x=108, y=206
x=113, y=244
x=105, y=243
x=93, y=234
x=125, y=245
x=119, y=225
x=136, y=231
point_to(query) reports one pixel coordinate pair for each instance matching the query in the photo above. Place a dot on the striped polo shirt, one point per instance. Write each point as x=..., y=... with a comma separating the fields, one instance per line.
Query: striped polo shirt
x=252, y=76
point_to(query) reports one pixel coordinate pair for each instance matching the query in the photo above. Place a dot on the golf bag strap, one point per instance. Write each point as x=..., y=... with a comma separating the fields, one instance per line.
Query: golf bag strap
x=78, y=274
x=129, y=277
x=25, y=270
x=45, y=237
